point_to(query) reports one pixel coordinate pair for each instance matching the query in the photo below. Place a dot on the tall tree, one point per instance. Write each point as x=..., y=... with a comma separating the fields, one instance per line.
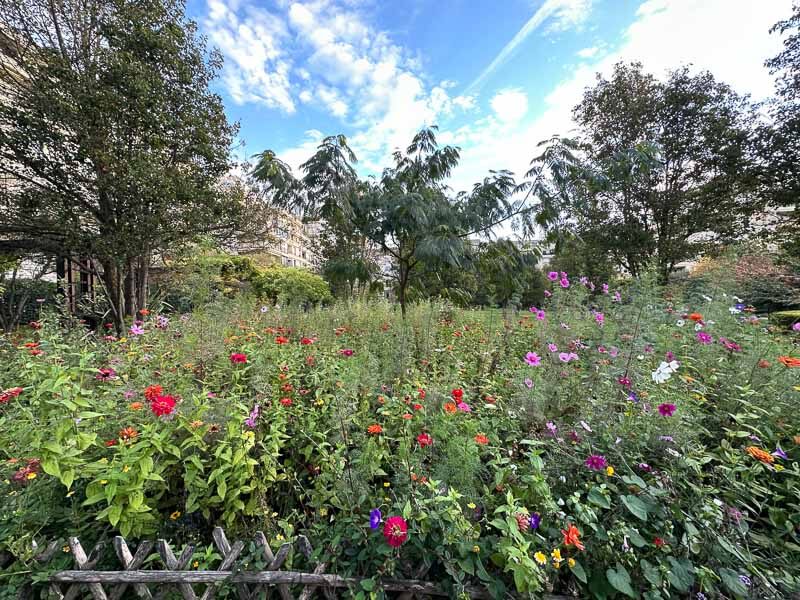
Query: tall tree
x=110, y=134
x=781, y=138
x=660, y=167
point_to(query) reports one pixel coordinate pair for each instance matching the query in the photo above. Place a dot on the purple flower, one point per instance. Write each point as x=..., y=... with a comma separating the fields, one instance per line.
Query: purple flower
x=375, y=518
x=137, y=330
x=645, y=467
x=552, y=275
x=535, y=520
x=633, y=397
x=533, y=359
x=564, y=282
x=552, y=428
x=583, y=280
x=604, y=288
x=528, y=382
x=780, y=453
x=669, y=356
x=666, y=409
x=617, y=297
x=552, y=347
x=745, y=580
x=251, y=420
x=796, y=326
x=666, y=438
x=596, y=462
x=599, y=318
x=704, y=338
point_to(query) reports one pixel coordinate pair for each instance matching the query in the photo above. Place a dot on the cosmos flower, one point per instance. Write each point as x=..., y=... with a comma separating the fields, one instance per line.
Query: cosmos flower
x=596, y=462
x=666, y=409
x=533, y=359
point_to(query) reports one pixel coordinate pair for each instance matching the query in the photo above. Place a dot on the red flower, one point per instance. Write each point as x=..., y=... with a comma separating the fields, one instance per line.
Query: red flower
x=281, y=340
x=417, y=406
x=421, y=393
x=286, y=401
x=395, y=530
x=310, y=361
x=163, y=405
x=658, y=542
x=424, y=439
x=375, y=429
x=238, y=358
x=572, y=537
x=306, y=341
x=152, y=392
x=481, y=439
x=457, y=394
x=111, y=443
x=10, y=393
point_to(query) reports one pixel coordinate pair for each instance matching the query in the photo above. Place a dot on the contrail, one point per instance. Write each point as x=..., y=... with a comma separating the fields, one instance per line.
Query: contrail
x=547, y=9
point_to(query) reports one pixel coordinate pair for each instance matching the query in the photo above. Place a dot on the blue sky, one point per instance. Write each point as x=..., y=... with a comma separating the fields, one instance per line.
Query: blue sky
x=497, y=76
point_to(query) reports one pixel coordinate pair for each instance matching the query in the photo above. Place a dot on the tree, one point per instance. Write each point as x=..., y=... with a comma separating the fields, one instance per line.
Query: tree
x=781, y=138
x=659, y=169
x=111, y=136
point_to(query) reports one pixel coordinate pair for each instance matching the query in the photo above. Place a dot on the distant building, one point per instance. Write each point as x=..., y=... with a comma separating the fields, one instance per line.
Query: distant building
x=291, y=243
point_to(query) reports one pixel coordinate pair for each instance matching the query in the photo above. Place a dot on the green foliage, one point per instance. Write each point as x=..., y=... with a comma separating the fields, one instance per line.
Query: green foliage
x=290, y=285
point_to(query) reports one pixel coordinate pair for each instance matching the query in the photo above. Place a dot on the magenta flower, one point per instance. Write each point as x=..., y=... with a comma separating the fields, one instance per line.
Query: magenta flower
x=552, y=347
x=464, y=407
x=552, y=428
x=137, y=330
x=533, y=359
x=796, y=326
x=596, y=462
x=346, y=352
x=552, y=275
x=105, y=374
x=528, y=382
x=605, y=288
x=624, y=381
x=730, y=345
x=704, y=338
x=547, y=293
x=540, y=315
x=666, y=409
x=253, y=418
x=599, y=318
x=564, y=282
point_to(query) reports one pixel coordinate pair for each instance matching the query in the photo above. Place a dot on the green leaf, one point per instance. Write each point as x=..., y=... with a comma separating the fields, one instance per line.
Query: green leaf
x=67, y=477
x=636, y=506
x=597, y=498
x=732, y=582
x=636, y=539
x=222, y=489
x=368, y=584
x=651, y=573
x=578, y=571
x=681, y=574
x=114, y=514
x=634, y=480
x=620, y=580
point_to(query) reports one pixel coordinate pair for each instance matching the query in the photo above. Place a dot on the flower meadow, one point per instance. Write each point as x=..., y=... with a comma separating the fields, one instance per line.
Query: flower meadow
x=616, y=441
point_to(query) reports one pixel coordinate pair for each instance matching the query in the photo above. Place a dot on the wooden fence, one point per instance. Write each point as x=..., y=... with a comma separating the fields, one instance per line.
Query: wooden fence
x=153, y=583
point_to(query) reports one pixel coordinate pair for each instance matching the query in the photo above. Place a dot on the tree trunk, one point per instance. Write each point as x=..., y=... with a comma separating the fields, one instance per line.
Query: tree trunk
x=142, y=281
x=113, y=280
x=401, y=288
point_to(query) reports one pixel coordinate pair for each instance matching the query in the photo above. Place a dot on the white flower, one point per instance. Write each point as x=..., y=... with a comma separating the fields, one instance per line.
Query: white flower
x=733, y=310
x=674, y=365
x=585, y=425
x=563, y=479
x=664, y=371
x=706, y=298
x=698, y=326
x=560, y=502
x=680, y=323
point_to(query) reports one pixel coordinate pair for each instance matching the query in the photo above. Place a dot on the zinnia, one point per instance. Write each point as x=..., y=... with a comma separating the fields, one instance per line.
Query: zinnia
x=163, y=405
x=596, y=462
x=449, y=407
x=457, y=394
x=759, y=454
x=704, y=338
x=424, y=439
x=481, y=439
x=395, y=530
x=6, y=395
x=572, y=537
x=238, y=358
x=696, y=317
x=375, y=429
x=346, y=352
x=281, y=340
x=789, y=361
x=151, y=392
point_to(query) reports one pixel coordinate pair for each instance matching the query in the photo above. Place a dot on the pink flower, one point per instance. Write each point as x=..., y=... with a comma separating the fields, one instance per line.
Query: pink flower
x=564, y=282
x=567, y=356
x=599, y=318
x=163, y=405
x=552, y=347
x=395, y=531
x=540, y=315
x=105, y=374
x=613, y=352
x=346, y=352
x=137, y=330
x=533, y=359
x=796, y=326
x=528, y=382
x=424, y=439
x=553, y=275
x=596, y=462
x=704, y=338
x=667, y=410
x=238, y=358
x=605, y=288
x=464, y=407
x=547, y=293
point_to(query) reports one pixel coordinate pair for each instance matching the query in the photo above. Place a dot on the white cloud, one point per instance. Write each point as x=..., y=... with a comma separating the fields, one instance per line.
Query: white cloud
x=509, y=105
x=561, y=14
x=257, y=69
x=588, y=52
x=727, y=37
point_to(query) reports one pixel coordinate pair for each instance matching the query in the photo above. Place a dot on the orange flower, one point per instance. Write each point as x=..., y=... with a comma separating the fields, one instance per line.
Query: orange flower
x=696, y=317
x=789, y=361
x=144, y=312
x=759, y=454
x=408, y=416
x=128, y=433
x=481, y=439
x=572, y=537
x=450, y=408
x=375, y=429
x=136, y=406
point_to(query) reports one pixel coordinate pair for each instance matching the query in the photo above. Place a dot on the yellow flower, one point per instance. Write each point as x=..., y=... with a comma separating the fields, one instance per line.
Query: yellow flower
x=31, y=475
x=196, y=564
x=323, y=512
x=65, y=548
x=386, y=484
x=556, y=554
x=103, y=481
x=126, y=468
x=175, y=516
x=274, y=515
x=320, y=402
x=571, y=562
x=609, y=471
x=540, y=558
x=476, y=548
x=778, y=467
x=471, y=505
x=249, y=436
x=279, y=537
x=123, y=340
